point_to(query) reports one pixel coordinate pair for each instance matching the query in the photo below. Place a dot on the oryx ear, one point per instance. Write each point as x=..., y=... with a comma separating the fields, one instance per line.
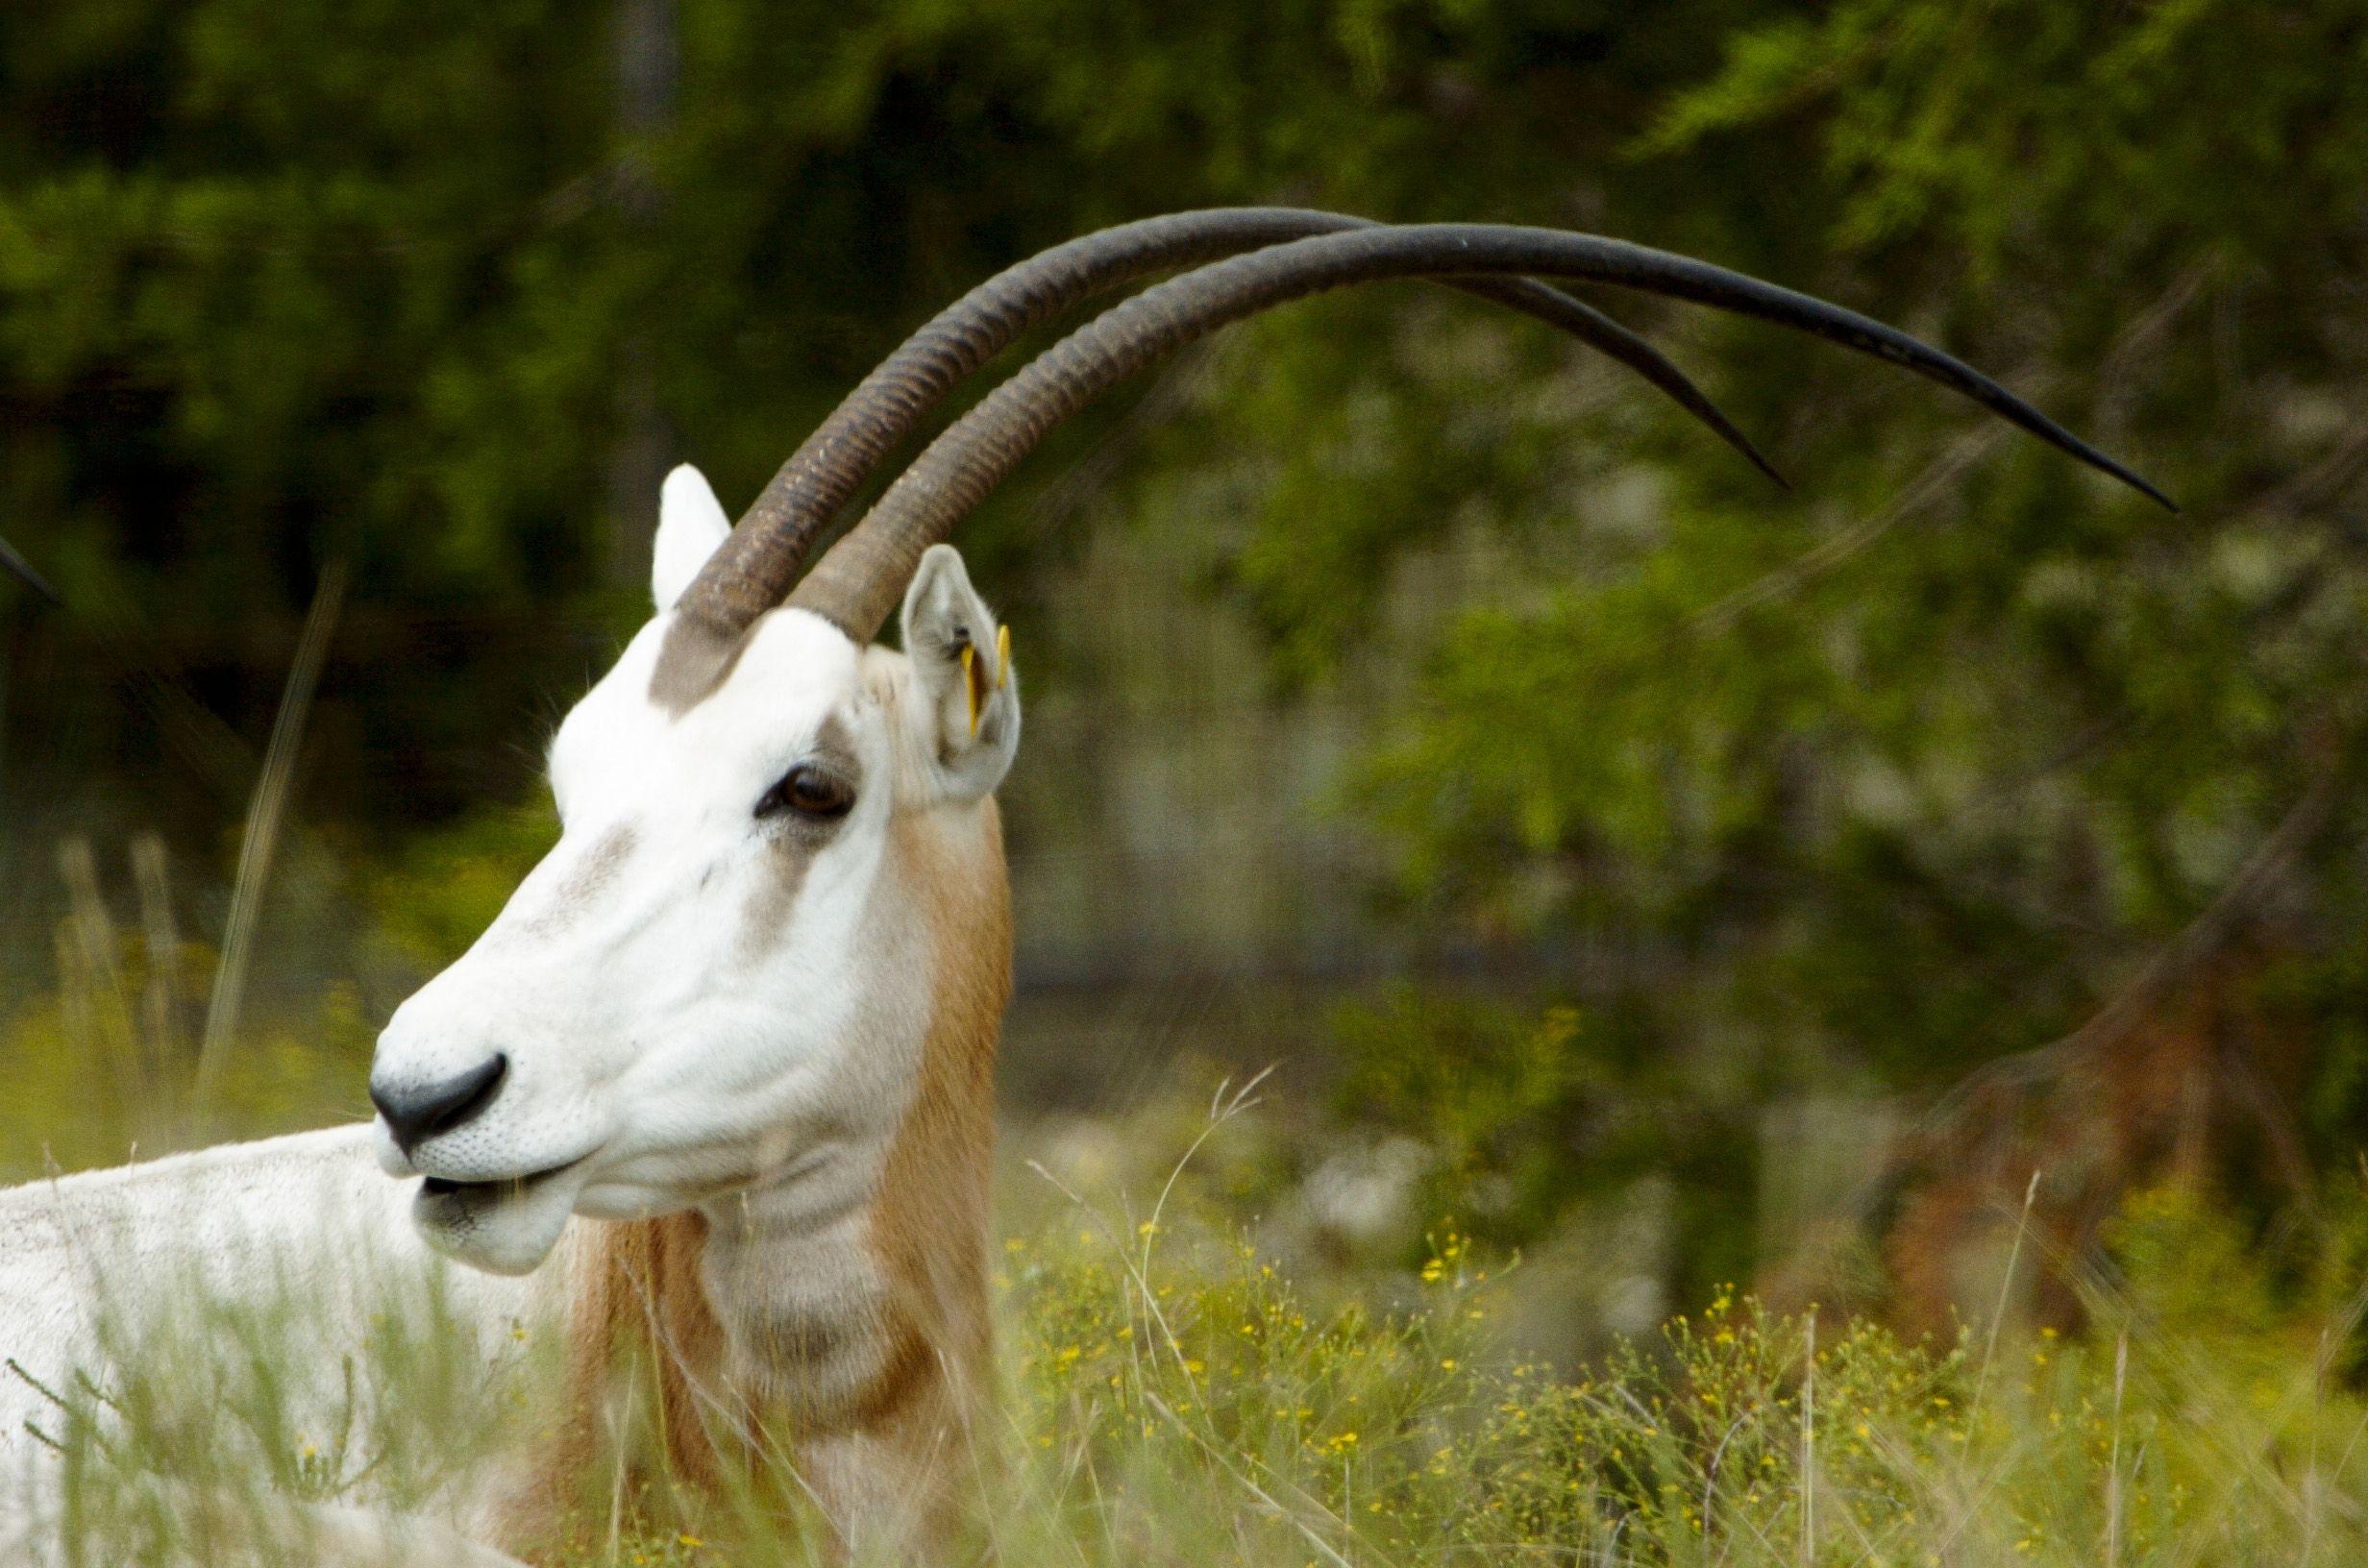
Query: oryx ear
x=968, y=694
x=690, y=525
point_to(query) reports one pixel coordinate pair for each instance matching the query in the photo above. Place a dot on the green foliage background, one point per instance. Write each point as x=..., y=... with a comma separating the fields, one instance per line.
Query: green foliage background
x=1848, y=790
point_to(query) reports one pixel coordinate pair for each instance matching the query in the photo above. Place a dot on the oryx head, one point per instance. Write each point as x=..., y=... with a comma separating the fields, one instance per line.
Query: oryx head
x=707, y=981
x=721, y=975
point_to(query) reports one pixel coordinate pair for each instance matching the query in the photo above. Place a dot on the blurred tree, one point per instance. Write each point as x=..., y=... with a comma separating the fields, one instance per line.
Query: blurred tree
x=1956, y=754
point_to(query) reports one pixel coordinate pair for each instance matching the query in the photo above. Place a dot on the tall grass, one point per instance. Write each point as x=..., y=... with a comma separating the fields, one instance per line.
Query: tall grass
x=266, y=814
x=1198, y=1409
x=1175, y=1396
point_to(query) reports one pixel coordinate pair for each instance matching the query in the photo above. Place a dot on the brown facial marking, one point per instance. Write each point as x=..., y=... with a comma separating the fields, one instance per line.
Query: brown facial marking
x=793, y=851
x=695, y=658
x=599, y=868
x=835, y=748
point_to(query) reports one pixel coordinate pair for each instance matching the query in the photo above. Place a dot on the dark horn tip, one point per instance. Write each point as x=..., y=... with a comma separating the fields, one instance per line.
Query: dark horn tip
x=2130, y=478
x=2057, y=437
x=1723, y=427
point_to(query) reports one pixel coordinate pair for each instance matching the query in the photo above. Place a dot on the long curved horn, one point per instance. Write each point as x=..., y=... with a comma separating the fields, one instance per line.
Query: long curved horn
x=860, y=580
x=756, y=567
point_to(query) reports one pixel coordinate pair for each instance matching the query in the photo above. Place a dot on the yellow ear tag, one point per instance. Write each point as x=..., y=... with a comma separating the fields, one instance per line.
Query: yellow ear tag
x=970, y=684
x=1003, y=657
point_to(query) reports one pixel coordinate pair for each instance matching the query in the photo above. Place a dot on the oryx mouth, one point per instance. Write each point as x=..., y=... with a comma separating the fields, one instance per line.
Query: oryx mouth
x=446, y=1187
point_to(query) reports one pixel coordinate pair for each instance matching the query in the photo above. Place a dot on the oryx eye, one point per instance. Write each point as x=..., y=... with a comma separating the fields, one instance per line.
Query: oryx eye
x=809, y=791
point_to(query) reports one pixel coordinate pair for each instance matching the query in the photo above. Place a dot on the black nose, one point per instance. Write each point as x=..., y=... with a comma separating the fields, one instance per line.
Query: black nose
x=417, y=1112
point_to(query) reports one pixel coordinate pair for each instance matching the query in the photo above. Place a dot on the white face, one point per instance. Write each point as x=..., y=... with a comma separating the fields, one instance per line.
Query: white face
x=672, y=1005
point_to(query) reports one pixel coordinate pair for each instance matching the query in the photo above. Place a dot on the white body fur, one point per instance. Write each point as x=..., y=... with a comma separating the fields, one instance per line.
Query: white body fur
x=303, y=1219
x=311, y=1210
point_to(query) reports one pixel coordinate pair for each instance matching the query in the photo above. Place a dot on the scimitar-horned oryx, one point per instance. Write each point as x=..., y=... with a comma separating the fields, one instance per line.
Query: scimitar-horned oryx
x=729, y=1050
